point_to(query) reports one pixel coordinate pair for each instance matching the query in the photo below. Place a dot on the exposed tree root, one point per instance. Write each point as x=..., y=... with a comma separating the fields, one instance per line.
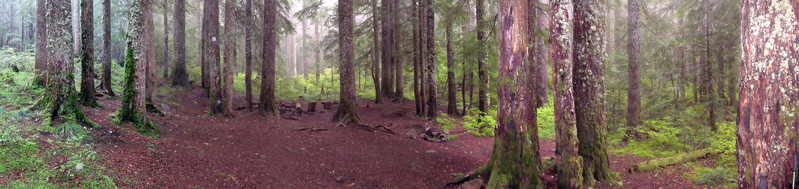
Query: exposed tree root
x=482, y=171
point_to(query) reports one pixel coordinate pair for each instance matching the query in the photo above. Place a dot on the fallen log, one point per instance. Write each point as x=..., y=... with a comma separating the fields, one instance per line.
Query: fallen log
x=666, y=161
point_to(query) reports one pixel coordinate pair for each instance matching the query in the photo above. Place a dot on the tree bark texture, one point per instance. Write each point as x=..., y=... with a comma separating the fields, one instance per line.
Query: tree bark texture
x=387, y=29
x=432, y=103
x=515, y=161
x=133, y=107
x=179, y=75
x=634, y=118
x=165, y=63
x=541, y=54
x=768, y=109
x=346, y=113
x=568, y=169
x=106, y=83
x=248, y=54
x=213, y=59
x=376, y=53
x=267, y=99
x=87, y=54
x=482, y=76
x=589, y=88
x=230, y=58
x=452, y=100
x=41, y=42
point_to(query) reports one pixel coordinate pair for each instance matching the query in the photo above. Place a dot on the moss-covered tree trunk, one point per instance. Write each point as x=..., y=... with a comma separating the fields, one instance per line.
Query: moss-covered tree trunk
x=768, y=111
x=41, y=43
x=213, y=59
x=568, y=166
x=179, y=75
x=133, y=107
x=267, y=98
x=248, y=54
x=60, y=100
x=346, y=113
x=87, y=54
x=230, y=58
x=515, y=162
x=452, y=100
x=589, y=88
x=106, y=83
x=432, y=103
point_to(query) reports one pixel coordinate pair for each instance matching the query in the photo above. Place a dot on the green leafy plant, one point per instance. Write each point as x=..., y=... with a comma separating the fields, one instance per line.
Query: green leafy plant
x=480, y=124
x=445, y=122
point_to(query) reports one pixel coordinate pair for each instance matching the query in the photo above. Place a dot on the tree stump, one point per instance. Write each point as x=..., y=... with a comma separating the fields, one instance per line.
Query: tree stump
x=312, y=107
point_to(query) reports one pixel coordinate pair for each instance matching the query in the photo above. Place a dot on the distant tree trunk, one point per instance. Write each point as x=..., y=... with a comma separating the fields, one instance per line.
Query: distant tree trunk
x=589, y=88
x=720, y=80
x=248, y=54
x=432, y=103
x=133, y=107
x=267, y=98
x=768, y=109
x=75, y=25
x=106, y=84
x=87, y=55
x=452, y=101
x=568, y=167
x=179, y=75
x=230, y=58
x=422, y=57
x=41, y=43
x=346, y=113
x=304, y=48
x=60, y=100
x=318, y=51
x=611, y=27
x=165, y=63
x=707, y=81
x=515, y=161
x=542, y=54
x=386, y=12
x=396, y=57
x=149, y=48
x=214, y=68
x=482, y=76
x=376, y=53
x=417, y=99
x=634, y=118
x=204, y=75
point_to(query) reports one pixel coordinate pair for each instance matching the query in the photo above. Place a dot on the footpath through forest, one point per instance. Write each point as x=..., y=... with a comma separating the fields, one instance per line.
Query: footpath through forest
x=252, y=151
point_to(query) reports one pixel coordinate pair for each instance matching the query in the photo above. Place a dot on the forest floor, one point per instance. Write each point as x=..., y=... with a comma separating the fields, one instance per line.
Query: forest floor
x=252, y=151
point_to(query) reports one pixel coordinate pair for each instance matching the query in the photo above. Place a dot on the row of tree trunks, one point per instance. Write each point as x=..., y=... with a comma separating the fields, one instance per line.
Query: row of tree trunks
x=768, y=108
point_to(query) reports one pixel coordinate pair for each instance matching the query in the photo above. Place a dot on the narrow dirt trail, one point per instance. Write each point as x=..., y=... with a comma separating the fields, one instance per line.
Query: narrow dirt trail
x=252, y=151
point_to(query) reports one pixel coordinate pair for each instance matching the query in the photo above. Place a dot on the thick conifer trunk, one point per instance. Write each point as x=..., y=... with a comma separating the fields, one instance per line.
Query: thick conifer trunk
x=589, y=88
x=452, y=100
x=432, y=103
x=387, y=29
x=230, y=58
x=106, y=84
x=165, y=63
x=267, y=99
x=569, y=170
x=482, y=76
x=179, y=75
x=346, y=113
x=768, y=109
x=634, y=118
x=41, y=43
x=214, y=68
x=248, y=55
x=87, y=54
x=515, y=162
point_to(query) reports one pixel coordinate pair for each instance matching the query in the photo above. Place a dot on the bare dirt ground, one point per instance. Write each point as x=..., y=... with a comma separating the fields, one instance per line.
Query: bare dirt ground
x=252, y=151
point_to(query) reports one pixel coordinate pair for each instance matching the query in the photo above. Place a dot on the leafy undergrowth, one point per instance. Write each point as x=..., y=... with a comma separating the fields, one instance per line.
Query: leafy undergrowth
x=483, y=125
x=37, y=156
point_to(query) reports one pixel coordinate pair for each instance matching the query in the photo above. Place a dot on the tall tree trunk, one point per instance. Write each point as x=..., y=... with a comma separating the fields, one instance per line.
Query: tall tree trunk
x=179, y=75
x=165, y=63
x=452, y=100
x=41, y=43
x=611, y=27
x=87, y=54
x=416, y=56
x=432, y=104
x=768, y=111
x=482, y=76
x=396, y=58
x=589, y=88
x=709, y=94
x=149, y=49
x=634, y=118
x=214, y=68
x=515, y=162
x=204, y=75
x=248, y=54
x=75, y=24
x=304, y=47
x=267, y=105
x=346, y=113
x=230, y=58
x=568, y=169
x=376, y=53
x=422, y=57
x=387, y=29
x=541, y=54
x=133, y=106
x=106, y=84
x=318, y=51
